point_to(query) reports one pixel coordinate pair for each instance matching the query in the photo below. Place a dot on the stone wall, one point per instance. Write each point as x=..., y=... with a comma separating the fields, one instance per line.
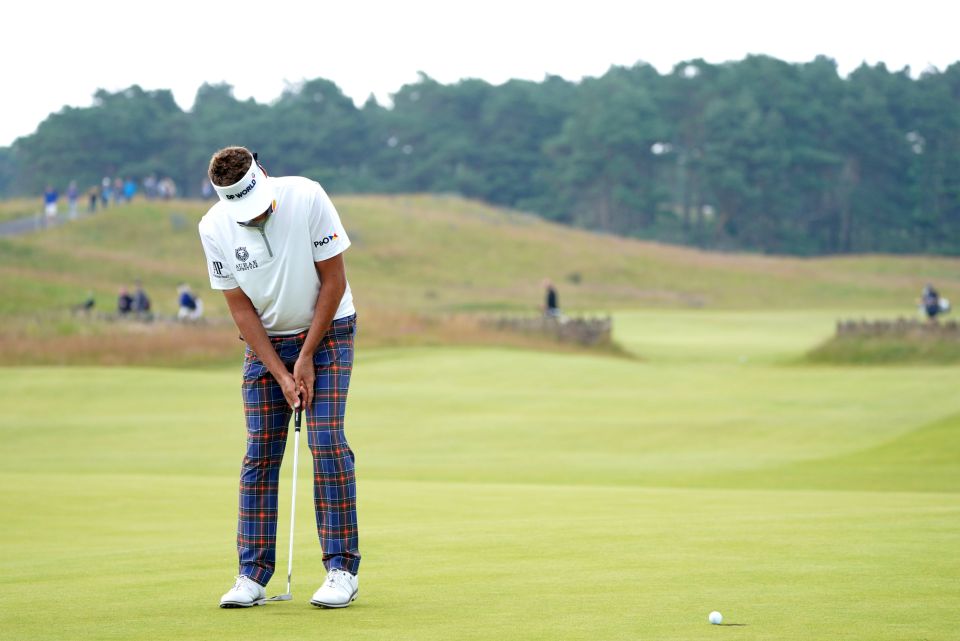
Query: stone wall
x=901, y=327
x=567, y=329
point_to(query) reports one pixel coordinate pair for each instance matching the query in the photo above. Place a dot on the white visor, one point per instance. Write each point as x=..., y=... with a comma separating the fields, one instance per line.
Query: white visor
x=248, y=197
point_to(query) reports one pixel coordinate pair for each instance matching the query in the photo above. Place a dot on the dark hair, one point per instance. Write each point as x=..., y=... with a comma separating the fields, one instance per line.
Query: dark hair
x=229, y=165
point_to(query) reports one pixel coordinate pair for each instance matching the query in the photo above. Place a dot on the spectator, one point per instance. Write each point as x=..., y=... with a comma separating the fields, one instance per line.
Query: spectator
x=129, y=189
x=86, y=306
x=124, y=302
x=191, y=307
x=551, y=307
x=106, y=192
x=141, y=302
x=932, y=303
x=50, y=198
x=72, y=195
x=93, y=194
x=150, y=187
x=167, y=189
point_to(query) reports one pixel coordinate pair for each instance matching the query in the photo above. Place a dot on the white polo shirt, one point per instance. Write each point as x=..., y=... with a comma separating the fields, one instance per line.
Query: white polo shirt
x=275, y=266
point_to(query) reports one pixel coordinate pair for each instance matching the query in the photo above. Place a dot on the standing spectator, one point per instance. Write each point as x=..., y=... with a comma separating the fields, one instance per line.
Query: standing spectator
x=50, y=198
x=93, y=194
x=551, y=306
x=72, y=195
x=150, y=187
x=129, y=189
x=167, y=189
x=106, y=192
x=118, y=194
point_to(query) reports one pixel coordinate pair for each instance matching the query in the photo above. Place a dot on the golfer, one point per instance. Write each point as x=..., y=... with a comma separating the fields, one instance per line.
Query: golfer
x=274, y=246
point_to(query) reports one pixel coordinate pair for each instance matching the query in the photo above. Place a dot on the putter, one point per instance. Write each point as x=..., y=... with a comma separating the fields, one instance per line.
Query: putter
x=293, y=505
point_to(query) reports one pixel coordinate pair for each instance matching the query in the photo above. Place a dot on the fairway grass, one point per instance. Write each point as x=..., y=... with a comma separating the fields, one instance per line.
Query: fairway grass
x=508, y=494
x=139, y=557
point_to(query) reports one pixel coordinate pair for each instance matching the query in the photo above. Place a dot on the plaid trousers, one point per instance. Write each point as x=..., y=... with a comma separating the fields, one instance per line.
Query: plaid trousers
x=334, y=483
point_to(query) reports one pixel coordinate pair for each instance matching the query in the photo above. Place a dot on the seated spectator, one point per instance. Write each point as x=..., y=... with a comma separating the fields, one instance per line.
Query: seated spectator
x=191, y=307
x=124, y=302
x=86, y=306
x=141, y=302
x=930, y=302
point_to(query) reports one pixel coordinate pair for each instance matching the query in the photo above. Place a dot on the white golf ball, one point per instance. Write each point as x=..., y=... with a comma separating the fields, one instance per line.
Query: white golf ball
x=716, y=618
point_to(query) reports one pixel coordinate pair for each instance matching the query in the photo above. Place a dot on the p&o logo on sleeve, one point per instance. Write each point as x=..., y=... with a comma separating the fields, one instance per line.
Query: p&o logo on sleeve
x=324, y=241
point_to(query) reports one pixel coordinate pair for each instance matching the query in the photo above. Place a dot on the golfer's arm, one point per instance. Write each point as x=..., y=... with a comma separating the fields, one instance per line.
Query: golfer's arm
x=333, y=282
x=251, y=329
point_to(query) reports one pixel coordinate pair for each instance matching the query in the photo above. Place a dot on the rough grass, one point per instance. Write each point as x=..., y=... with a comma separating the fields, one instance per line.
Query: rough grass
x=68, y=339
x=13, y=209
x=420, y=267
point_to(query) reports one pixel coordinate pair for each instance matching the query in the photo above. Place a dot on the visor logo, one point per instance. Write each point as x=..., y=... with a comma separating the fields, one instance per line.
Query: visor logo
x=244, y=191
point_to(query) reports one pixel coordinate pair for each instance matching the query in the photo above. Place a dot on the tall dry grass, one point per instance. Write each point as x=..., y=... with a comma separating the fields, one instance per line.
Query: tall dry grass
x=63, y=340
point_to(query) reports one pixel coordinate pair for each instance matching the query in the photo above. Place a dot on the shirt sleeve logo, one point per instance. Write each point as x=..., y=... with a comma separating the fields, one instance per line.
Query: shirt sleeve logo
x=218, y=269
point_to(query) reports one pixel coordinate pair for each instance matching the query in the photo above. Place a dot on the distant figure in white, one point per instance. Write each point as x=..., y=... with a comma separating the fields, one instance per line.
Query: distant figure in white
x=50, y=198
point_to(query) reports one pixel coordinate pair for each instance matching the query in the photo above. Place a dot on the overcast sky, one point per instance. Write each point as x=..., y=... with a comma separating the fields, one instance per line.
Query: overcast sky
x=59, y=54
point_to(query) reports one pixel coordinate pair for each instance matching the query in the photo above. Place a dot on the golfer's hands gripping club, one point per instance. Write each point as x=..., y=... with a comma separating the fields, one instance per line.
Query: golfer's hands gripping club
x=304, y=375
x=290, y=391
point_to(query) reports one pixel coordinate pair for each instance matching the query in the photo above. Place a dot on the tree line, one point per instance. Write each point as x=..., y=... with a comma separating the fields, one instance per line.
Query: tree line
x=757, y=154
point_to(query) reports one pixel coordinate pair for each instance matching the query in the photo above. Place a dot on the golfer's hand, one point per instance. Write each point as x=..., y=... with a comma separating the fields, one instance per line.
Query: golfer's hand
x=304, y=374
x=290, y=390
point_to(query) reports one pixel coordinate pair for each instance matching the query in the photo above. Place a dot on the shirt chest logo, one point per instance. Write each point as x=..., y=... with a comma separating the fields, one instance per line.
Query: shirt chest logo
x=244, y=256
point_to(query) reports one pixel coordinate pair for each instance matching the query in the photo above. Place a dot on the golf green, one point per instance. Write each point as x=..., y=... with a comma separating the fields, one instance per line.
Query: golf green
x=507, y=494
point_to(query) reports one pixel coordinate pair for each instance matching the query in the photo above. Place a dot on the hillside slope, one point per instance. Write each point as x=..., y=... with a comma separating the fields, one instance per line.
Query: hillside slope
x=446, y=254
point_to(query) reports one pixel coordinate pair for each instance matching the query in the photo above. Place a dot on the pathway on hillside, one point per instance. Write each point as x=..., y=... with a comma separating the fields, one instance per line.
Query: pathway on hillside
x=20, y=226
x=34, y=223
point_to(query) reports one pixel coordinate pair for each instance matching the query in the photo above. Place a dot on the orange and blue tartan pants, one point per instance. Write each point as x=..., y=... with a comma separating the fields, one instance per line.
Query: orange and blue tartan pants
x=334, y=483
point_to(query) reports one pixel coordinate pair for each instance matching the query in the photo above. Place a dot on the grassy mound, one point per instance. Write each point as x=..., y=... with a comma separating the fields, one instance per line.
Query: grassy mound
x=446, y=254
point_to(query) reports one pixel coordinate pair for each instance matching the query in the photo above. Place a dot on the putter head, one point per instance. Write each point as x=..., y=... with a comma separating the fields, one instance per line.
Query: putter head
x=281, y=597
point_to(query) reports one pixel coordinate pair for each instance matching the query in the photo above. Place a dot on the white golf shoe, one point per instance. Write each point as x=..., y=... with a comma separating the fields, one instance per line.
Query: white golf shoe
x=338, y=591
x=245, y=593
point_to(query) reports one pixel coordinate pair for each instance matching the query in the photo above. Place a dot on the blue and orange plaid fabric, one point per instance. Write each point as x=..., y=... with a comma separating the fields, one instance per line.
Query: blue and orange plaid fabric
x=334, y=483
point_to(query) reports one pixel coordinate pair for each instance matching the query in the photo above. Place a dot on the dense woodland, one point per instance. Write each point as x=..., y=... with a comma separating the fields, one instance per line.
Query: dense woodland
x=758, y=154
